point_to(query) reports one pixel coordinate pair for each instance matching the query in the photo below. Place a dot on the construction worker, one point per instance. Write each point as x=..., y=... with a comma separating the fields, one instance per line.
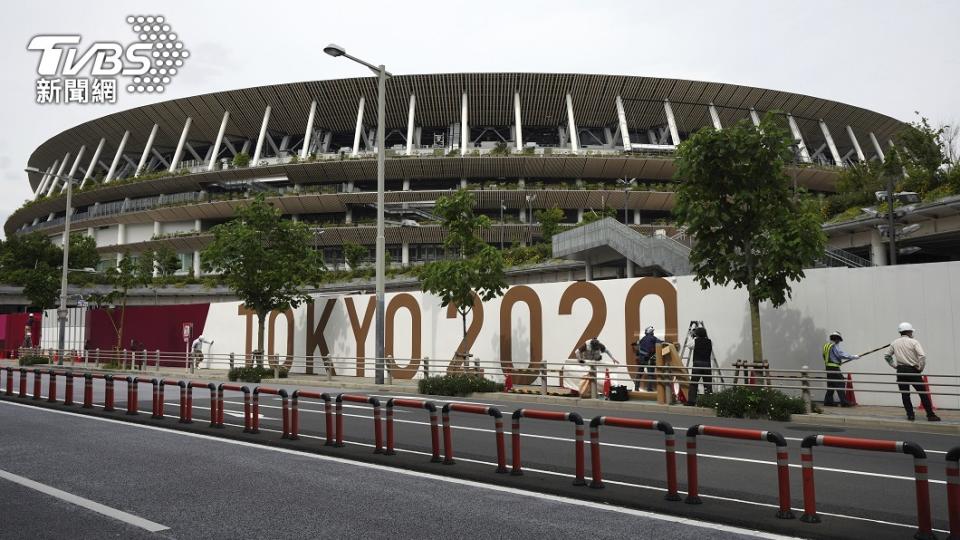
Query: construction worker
x=702, y=368
x=646, y=349
x=833, y=358
x=590, y=353
x=907, y=357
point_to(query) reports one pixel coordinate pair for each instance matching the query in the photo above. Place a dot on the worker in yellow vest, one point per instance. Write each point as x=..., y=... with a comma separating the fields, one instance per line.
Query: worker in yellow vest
x=833, y=358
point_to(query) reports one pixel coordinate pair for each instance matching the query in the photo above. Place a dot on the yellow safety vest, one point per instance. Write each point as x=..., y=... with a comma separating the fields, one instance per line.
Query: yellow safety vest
x=827, y=347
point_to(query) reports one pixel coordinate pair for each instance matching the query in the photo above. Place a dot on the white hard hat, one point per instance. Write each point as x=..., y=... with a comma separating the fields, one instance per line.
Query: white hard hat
x=836, y=333
x=905, y=327
x=648, y=330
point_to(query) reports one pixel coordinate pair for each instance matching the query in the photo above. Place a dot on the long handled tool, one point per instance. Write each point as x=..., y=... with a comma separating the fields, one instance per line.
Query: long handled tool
x=875, y=350
x=861, y=355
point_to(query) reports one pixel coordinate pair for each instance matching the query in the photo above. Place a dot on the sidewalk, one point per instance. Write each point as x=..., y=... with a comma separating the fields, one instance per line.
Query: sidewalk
x=861, y=416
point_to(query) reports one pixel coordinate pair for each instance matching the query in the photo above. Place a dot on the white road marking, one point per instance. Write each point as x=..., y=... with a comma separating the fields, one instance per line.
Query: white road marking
x=119, y=515
x=534, y=470
x=430, y=476
x=632, y=447
x=629, y=484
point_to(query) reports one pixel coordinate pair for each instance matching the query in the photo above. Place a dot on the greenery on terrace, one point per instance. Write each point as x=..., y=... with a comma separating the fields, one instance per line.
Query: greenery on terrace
x=925, y=161
x=242, y=160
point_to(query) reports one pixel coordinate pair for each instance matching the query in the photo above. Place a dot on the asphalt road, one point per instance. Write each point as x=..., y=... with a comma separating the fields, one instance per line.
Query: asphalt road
x=861, y=492
x=190, y=486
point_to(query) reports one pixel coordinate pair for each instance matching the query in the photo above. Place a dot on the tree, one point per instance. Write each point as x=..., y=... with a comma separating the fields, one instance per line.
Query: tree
x=267, y=261
x=127, y=274
x=750, y=229
x=166, y=262
x=478, y=266
x=550, y=222
x=354, y=254
x=33, y=262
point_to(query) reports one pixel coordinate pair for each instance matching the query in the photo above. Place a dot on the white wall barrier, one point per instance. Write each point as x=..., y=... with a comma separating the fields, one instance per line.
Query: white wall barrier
x=545, y=322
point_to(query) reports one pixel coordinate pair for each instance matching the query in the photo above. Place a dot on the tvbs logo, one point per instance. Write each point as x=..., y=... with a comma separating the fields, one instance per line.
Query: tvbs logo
x=147, y=64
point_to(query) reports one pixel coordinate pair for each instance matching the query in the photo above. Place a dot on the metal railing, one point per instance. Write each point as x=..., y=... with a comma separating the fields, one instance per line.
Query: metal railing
x=545, y=377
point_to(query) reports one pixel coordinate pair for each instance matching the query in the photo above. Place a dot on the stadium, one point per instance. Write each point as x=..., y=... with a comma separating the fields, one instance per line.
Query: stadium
x=166, y=173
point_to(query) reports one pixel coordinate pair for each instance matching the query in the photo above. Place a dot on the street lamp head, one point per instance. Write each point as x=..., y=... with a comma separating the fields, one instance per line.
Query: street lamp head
x=32, y=170
x=334, y=50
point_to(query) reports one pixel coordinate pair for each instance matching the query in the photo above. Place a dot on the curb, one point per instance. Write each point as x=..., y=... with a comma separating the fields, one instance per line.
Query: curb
x=917, y=426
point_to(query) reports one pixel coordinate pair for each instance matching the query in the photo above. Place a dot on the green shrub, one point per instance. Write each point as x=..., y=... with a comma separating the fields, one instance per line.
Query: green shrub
x=254, y=374
x=457, y=385
x=33, y=360
x=241, y=160
x=743, y=402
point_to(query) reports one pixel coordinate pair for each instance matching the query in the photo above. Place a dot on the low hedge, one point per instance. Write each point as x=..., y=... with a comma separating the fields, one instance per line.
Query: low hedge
x=743, y=402
x=457, y=384
x=254, y=374
x=33, y=360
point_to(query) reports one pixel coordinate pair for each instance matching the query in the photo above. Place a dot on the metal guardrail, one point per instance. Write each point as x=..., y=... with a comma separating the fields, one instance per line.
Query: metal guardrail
x=547, y=377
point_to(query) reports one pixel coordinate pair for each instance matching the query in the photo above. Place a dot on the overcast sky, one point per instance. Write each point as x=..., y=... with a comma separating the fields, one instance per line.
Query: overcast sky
x=891, y=57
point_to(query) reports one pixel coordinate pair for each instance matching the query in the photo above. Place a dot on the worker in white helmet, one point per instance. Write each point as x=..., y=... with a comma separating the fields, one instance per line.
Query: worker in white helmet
x=645, y=350
x=907, y=357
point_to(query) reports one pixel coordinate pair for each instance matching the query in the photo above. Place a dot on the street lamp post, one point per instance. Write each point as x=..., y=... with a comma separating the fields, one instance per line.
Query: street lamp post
x=62, y=309
x=627, y=184
x=891, y=231
x=379, y=324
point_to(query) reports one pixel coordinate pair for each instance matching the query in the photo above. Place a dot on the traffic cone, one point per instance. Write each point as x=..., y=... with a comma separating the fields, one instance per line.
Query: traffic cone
x=606, y=383
x=507, y=382
x=926, y=388
x=851, y=397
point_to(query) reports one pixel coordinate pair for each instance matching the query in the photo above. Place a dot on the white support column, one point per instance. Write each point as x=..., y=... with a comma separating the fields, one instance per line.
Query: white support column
x=327, y=137
x=830, y=144
x=877, y=147
x=464, y=124
x=183, y=141
x=74, y=167
x=156, y=233
x=305, y=151
x=636, y=217
x=715, y=117
x=121, y=240
x=196, y=225
x=405, y=254
x=572, y=123
x=579, y=215
x=196, y=264
x=622, y=118
x=411, y=114
x=45, y=184
x=216, y=144
x=878, y=250
x=754, y=117
x=856, y=144
x=672, y=122
x=517, y=123
x=263, y=133
x=798, y=136
x=356, y=133
x=406, y=184
x=587, y=271
x=41, y=187
x=93, y=162
x=146, y=151
x=630, y=270
x=91, y=233
x=55, y=179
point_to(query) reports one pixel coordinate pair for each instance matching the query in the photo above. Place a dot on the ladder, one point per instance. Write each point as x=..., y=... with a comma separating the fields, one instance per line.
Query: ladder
x=686, y=352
